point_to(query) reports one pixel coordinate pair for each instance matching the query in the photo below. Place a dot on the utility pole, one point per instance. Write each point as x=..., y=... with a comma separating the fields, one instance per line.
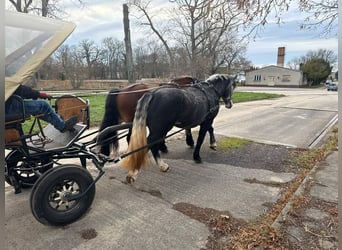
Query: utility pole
x=129, y=57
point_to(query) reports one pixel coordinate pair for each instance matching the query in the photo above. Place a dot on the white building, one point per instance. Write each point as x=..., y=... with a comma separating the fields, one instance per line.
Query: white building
x=275, y=76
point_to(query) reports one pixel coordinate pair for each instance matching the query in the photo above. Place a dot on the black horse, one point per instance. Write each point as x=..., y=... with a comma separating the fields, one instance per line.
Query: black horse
x=120, y=108
x=163, y=108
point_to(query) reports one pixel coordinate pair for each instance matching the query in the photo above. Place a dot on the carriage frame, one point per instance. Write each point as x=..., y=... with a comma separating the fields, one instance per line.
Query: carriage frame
x=61, y=192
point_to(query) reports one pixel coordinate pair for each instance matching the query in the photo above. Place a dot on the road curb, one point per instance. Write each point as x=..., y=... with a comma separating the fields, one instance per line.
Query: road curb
x=300, y=190
x=325, y=130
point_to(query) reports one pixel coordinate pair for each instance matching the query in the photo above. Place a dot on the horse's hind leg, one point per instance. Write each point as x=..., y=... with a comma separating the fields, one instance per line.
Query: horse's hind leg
x=156, y=155
x=189, y=140
x=163, y=147
x=213, y=144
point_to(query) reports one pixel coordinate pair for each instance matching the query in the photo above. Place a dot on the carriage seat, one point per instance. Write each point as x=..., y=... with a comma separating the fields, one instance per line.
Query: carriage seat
x=19, y=117
x=14, y=134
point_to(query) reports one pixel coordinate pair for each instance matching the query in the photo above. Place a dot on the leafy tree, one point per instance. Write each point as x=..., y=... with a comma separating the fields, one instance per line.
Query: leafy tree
x=316, y=70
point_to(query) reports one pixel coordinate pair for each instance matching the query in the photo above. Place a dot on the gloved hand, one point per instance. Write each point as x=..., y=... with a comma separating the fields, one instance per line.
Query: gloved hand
x=45, y=96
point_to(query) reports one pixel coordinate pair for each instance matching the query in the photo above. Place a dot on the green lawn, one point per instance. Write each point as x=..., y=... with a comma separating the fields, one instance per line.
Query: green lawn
x=252, y=96
x=97, y=103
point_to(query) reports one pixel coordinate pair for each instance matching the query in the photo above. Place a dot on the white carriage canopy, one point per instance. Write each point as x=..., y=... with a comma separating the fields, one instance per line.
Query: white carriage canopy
x=29, y=41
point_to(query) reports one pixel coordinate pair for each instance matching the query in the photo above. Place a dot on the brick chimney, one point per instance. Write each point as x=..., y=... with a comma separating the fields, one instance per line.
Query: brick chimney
x=281, y=56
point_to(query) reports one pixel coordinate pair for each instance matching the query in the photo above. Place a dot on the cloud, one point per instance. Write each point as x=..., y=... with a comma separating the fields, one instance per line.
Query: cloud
x=297, y=42
x=102, y=18
x=96, y=20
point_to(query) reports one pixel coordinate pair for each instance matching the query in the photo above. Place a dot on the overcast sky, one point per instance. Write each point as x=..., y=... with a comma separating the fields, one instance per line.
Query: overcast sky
x=104, y=18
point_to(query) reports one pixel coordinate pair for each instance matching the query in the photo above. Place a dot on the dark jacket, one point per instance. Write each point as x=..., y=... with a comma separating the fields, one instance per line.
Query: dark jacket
x=26, y=92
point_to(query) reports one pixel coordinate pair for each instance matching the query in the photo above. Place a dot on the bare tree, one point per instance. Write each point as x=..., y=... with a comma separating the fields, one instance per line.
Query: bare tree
x=71, y=65
x=90, y=53
x=320, y=12
x=199, y=27
x=151, y=59
x=209, y=32
x=64, y=58
x=234, y=55
x=113, y=57
x=50, y=8
x=327, y=55
x=144, y=8
x=21, y=6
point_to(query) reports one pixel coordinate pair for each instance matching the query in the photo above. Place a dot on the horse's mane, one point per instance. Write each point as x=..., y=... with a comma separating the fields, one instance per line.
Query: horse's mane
x=216, y=76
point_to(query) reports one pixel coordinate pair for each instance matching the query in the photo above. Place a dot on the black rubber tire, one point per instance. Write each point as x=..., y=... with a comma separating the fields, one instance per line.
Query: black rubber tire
x=17, y=165
x=65, y=179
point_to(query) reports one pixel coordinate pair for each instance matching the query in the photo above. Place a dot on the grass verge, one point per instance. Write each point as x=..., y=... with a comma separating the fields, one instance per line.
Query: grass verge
x=231, y=143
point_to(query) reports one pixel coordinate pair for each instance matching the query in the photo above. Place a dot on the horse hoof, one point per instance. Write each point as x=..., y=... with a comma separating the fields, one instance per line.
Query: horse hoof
x=130, y=179
x=164, y=167
x=213, y=147
x=198, y=160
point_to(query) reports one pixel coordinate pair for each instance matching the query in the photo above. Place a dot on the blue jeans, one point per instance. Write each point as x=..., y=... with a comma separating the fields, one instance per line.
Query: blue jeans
x=37, y=107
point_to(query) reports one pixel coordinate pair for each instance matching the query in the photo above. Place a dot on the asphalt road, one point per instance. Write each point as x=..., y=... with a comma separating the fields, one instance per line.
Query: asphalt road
x=296, y=120
x=143, y=215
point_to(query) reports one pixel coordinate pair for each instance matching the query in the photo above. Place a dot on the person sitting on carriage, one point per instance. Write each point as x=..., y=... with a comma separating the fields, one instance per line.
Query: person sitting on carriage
x=36, y=107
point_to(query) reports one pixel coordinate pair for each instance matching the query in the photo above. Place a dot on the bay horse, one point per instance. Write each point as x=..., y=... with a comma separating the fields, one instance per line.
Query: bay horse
x=163, y=108
x=120, y=108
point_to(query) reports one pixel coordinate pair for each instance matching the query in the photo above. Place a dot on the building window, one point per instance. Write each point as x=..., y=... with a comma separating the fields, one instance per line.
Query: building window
x=286, y=78
x=257, y=78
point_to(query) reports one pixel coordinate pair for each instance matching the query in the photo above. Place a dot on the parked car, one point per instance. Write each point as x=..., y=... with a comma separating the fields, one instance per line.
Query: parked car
x=333, y=86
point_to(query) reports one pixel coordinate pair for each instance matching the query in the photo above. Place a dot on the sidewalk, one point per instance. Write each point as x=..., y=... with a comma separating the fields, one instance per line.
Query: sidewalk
x=147, y=215
x=313, y=222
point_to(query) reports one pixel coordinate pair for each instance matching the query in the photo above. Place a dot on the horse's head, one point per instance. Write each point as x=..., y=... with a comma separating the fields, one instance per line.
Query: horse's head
x=224, y=86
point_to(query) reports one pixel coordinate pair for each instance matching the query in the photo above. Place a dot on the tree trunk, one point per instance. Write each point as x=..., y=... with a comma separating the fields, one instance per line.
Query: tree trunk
x=45, y=7
x=129, y=57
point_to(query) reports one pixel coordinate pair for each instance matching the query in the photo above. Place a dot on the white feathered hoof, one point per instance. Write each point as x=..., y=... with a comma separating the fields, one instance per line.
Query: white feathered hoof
x=163, y=166
x=130, y=179
x=213, y=146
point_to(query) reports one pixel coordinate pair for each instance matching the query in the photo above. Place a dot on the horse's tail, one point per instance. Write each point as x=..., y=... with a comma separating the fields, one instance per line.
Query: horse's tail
x=138, y=138
x=111, y=117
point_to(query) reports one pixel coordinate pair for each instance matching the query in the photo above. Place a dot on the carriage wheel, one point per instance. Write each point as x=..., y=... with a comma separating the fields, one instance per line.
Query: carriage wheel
x=21, y=168
x=49, y=196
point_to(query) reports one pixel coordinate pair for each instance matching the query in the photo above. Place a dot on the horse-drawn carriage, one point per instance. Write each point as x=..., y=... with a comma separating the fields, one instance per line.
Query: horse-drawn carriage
x=62, y=192
x=32, y=157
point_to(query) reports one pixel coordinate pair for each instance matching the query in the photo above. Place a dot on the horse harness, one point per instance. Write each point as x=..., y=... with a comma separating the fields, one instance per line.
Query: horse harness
x=213, y=106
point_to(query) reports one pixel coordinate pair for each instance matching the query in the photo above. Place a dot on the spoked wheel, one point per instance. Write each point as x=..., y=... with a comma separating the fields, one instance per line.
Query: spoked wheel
x=49, y=200
x=22, y=168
